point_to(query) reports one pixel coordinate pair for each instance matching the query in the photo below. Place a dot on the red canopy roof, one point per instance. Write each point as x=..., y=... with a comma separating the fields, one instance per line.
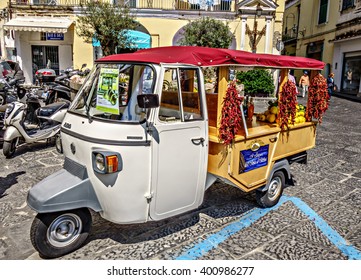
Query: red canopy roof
x=202, y=56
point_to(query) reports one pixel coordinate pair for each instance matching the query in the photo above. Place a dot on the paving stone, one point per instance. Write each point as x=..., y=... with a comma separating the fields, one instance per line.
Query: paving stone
x=290, y=210
x=342, y=217
x=321, y=195
x=354, y=237
x=229, y=212
x=288, y=247
x=310, y=231
x=244, y=242
x=256, y=256
x=274, y=223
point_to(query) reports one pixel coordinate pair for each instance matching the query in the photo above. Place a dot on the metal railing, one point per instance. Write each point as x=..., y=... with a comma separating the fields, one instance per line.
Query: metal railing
x=205, y=5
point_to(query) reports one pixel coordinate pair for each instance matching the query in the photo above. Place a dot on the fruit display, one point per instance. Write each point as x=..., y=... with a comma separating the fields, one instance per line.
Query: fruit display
x=271, y=114
x=300, y=114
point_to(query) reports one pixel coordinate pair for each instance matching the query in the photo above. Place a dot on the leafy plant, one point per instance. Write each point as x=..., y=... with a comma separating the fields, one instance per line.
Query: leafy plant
x=207, y=32
x=256, y=82
x=107, y=23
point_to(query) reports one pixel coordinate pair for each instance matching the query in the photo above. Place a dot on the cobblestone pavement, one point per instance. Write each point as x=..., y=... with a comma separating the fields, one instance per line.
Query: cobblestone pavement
x=329, y=185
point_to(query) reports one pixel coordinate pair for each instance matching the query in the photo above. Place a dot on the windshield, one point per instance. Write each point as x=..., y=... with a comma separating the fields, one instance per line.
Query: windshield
x=111, y=90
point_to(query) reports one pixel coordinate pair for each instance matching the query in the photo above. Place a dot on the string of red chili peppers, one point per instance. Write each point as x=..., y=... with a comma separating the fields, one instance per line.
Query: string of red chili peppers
x=231, y=117
x=287, y=105
x=318, y=98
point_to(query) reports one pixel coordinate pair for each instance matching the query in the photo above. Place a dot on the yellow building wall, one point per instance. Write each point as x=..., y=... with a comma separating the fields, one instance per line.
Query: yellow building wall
x=163, y=30
x=82, y=52
x=315, y=32
x=290, y=19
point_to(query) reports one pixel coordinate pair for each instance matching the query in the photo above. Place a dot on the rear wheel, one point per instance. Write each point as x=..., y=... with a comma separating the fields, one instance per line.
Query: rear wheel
x=271, y=196
x=56, y=234
x=9, y=147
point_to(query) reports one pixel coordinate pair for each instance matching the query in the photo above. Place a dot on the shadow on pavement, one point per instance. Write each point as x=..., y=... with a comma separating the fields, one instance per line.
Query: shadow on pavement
x=222, y=204
x=8, y=181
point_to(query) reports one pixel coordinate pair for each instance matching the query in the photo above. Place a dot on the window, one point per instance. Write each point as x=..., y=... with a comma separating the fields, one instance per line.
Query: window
x=111, y=90
x=347, y=4
x=180, y=100
x=322, y=17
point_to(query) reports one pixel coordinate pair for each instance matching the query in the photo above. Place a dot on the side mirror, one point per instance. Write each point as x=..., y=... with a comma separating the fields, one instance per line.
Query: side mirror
x=147, y=101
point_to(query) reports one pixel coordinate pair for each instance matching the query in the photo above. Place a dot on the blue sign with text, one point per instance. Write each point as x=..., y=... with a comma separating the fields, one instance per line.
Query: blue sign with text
x=250, y=160
x=55, y=36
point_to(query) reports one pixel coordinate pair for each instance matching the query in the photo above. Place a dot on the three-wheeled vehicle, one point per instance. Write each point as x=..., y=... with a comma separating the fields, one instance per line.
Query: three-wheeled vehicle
x=154, y=151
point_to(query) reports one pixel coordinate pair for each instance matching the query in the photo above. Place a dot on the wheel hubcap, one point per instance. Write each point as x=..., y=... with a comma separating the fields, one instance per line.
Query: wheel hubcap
x=274, y=188
x=64, y=230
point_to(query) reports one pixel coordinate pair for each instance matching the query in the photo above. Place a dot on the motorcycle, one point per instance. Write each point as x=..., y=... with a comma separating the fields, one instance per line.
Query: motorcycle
x=62, y=85
x=30, y=122
x=11, y=90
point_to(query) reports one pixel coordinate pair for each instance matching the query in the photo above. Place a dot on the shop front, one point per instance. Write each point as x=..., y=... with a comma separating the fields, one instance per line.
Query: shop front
x=41, y=42
x=347, y=65
x=351, y=71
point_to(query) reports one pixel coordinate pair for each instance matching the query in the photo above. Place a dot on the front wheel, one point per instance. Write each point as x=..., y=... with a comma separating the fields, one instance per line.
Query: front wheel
x=271, y=196
x=9, y=147
x=56, y=234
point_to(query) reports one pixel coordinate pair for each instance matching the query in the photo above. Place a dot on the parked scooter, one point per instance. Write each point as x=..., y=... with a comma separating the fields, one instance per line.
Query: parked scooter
x=11, y=90
x=61, y=87
x=30, y=123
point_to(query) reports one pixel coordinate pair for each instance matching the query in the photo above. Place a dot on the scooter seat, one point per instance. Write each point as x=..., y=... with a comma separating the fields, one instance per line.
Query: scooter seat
x=50, y=109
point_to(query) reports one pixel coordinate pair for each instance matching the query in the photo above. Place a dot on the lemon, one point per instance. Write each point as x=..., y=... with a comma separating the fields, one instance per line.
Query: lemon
x=262, y=118
x=271, y=118
x=274, y=110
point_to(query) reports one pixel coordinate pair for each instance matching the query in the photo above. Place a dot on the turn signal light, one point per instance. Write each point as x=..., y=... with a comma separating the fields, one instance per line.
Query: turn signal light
x=112, y=163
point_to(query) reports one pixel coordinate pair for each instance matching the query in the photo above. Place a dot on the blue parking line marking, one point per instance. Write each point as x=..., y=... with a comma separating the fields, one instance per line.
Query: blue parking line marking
x=203, y=247
x=350, y=251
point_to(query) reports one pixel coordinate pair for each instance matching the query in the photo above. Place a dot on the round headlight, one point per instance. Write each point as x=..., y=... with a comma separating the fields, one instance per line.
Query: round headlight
x=9, y=108
x=100, y=162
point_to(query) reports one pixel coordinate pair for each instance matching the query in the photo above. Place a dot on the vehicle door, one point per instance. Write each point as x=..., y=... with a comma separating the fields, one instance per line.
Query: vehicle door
x=180, y=144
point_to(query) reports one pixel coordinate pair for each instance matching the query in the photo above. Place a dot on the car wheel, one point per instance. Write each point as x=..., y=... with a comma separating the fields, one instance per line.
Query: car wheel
x=56, y=234
x=271, y=196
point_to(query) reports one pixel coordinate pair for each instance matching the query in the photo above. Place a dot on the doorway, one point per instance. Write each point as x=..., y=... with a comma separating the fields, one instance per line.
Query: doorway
x=42, y=55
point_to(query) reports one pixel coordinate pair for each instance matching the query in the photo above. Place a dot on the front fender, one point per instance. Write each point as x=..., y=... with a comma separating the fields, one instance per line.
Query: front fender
x=11, y=133
x=62, y=191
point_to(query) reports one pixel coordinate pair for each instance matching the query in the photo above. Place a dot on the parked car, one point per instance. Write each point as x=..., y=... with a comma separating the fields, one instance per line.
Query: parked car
x=5, y=69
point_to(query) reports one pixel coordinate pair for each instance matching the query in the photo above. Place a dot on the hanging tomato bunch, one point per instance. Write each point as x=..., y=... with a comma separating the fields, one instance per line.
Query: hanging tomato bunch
x=287, y=105
x=231, y=117
x=318, y=98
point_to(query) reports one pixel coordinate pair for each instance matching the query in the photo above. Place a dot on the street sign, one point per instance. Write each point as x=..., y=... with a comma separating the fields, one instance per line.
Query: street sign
x=55, y=36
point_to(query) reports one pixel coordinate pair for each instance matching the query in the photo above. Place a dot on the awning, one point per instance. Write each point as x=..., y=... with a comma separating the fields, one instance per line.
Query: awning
x=39, y=24
x=140, y=40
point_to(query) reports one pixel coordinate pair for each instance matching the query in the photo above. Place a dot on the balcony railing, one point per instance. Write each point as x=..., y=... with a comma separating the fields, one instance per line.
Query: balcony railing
x=289, y=36
x=205, y=5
